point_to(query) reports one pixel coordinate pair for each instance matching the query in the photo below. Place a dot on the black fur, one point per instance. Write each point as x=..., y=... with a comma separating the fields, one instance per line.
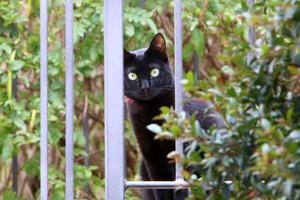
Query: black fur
x=149, y=94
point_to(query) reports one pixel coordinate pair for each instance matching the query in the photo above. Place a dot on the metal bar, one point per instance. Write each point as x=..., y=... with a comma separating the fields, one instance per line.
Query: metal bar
x=196, y=63
x=178, y=74
x=44, y=99
x=69, y=99
x=251, y=33
x=142, y=3
x=114, y=105
x=157, y=184
x=14, y=172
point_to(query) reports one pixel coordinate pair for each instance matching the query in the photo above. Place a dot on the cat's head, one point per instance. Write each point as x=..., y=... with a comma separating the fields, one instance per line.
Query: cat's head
x=147, y=73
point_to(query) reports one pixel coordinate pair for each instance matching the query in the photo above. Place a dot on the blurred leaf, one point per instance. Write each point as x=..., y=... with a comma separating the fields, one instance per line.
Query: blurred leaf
x=9, y=85
x=154, y=128
x=198, y=39
x=16, y=65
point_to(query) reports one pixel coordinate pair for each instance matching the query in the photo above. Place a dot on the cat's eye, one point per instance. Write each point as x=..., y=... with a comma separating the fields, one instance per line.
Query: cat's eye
x=154, y=72
x=132, y=76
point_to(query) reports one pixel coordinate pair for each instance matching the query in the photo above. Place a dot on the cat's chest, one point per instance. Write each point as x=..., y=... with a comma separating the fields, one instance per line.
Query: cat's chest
x=142, y=115
x=146, y=111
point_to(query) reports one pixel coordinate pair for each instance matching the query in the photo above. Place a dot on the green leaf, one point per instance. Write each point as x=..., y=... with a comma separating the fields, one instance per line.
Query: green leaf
x=20, y=124
x=129, y=30
x=198, y=40
x=9, y=85
x=7, y=149
x=16, y=65
x=294, y=135
x=227, y=70
x=165, y=110
x=188, y=50
x=154, y=128
x=175, y=129
x=79, y=31
x=78, y=3
x=11, y=195
x=6, y=48
x=215, y=92
x=190, y=77
x=152, y=25
x=265, y=124
x=231, y=92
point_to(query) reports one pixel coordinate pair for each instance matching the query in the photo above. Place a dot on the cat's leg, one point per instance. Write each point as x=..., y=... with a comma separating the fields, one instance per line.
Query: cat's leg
x=164, y=194
x=161, y=170
x=181, y=194
x=147, y=194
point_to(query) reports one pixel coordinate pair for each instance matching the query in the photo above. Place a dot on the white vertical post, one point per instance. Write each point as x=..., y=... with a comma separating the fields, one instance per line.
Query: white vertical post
x=44, y=100
x=251, y=33
x=113, y=80
x=178, y=73
x=69, y=82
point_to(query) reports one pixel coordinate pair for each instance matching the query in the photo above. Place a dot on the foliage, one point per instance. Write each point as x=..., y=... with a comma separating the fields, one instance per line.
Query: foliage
x=259, y=100
x=19, y=114
x=258, y=157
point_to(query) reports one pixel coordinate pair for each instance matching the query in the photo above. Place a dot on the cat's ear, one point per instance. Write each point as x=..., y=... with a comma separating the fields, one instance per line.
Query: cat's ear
x=127, y=56
x=158, y=47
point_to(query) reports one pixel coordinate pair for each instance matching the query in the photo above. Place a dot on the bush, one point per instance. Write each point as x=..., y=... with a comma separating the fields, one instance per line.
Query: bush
x=259, y=100
x=258, y=158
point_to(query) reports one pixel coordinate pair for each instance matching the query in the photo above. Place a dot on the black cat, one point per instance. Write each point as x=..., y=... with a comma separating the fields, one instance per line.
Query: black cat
x=149, y=85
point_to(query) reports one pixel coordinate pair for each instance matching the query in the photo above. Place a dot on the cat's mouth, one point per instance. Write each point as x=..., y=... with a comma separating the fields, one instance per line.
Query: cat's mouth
x=146, y=95
x=143, y=95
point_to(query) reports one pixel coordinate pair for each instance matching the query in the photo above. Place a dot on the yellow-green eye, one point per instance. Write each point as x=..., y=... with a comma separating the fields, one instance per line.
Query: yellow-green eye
x=154, y=72
x=132, y=76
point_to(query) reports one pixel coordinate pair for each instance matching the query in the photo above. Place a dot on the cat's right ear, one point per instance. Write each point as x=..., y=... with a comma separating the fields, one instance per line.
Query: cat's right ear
x=158, y=47
x=127, y=56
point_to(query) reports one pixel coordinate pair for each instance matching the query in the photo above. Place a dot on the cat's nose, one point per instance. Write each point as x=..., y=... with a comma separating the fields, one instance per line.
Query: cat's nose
x=145, y=86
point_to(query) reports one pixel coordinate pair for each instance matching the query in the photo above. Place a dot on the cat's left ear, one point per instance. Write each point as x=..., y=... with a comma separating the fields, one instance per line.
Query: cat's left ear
x=127, y=56
x=158, y=47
